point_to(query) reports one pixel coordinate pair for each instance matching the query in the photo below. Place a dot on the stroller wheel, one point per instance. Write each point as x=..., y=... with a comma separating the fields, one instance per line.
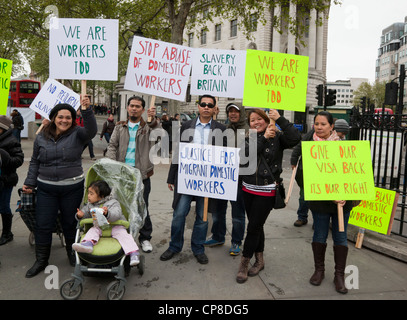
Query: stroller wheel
x=114, y=292
x=68, y=292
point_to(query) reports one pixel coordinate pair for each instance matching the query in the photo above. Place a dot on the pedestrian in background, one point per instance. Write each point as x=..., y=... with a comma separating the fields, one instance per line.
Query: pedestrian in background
x=56, y=172
x=18, y=123
x=11, y=157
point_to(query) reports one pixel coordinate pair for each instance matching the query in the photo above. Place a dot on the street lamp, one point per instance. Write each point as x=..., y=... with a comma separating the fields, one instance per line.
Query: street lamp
x=138, y=33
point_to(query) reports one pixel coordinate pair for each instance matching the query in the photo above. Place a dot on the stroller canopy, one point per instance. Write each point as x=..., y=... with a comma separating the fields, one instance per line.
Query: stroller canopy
x=127, y=187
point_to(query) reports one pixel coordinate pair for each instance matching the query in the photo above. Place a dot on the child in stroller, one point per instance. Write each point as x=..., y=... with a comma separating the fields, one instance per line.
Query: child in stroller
x=99, y=197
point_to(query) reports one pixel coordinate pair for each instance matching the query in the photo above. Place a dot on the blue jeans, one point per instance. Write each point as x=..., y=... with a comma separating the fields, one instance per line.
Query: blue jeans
x=302, y=211
x=238, y=219
x=178, y=225
x=321, y=228
x=5, y=198
x=50, y=200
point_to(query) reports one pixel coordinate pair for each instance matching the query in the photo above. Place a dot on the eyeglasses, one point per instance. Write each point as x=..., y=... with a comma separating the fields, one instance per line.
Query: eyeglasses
x=209, y=105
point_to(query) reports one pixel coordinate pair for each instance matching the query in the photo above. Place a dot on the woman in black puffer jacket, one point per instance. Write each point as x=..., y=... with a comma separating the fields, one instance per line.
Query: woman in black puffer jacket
x=12, y=157
x=56, y=171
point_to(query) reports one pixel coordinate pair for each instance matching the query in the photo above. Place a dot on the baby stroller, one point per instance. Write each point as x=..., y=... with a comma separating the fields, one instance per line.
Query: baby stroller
x=108, y=256
x=26, y=208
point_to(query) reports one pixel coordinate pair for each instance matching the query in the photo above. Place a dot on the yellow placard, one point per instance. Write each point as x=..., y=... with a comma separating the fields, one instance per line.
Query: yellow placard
x=275, y=80
x=378, y=214
x=337, y=170
x=5, y=75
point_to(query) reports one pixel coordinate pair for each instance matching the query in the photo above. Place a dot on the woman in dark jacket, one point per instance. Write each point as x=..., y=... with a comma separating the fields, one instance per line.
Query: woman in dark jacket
x=11, y=157
x=56, y=171
x=325, y=211
x=259, y=188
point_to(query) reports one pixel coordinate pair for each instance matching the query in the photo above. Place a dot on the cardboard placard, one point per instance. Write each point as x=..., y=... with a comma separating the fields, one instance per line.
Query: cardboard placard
x=159, y=68
x=208, y=171
x=84, y=49
x=51, y=94
x=337, y=170
x=218, y=72
x=275, y=80
x=378, y=214
x=5, y=76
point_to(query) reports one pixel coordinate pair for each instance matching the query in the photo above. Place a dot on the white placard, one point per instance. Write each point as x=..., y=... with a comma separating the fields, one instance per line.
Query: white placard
x=51, y=94
x=208, y=171
x=218, y=72
x=159, y=68
x=84, y=49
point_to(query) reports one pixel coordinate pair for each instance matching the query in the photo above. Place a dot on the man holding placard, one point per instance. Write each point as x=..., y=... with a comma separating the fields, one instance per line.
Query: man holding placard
x=201, y=130
x=130, y=144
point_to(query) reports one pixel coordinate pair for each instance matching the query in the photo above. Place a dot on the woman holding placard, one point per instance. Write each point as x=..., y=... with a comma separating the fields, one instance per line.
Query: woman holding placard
x=259, y=188
x=324, y=211
x=56, y=172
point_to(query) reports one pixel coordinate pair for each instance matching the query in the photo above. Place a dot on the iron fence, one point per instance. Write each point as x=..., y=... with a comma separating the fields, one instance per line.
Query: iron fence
x=387, y=134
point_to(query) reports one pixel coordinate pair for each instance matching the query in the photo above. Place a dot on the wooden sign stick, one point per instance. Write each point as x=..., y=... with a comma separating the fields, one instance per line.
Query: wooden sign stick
x=205, y=212
x=152, y=103
x=359, y=240
x=83, y=87
x=340, y=219
x=290, y=188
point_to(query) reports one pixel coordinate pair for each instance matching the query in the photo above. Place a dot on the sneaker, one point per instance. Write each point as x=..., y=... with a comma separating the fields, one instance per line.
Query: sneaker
x=146, y=246
x=212, y=243
x=234, y=249
x=85, y=247
x=134, y=259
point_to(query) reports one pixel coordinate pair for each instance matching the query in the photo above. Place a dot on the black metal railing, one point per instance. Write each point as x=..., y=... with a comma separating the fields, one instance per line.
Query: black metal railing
x=387, y=134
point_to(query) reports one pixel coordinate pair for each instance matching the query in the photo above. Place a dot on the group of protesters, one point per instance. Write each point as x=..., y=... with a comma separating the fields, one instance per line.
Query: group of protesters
x=58, y=178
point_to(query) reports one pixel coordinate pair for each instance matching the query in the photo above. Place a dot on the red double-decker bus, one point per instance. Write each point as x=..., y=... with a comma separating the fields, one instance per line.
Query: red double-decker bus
x=22, y=93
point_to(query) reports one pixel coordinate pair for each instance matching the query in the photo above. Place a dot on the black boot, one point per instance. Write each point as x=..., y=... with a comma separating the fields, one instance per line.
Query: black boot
x=6, y=235
x=70, y=252
x=42, y=253
x=318, y=249
x=340, y=255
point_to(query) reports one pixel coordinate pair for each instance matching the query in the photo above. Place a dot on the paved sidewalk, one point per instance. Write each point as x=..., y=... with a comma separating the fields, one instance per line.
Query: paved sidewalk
x=288, y=257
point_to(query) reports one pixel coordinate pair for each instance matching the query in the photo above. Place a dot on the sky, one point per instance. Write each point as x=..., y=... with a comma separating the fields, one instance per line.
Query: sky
x=354, y=32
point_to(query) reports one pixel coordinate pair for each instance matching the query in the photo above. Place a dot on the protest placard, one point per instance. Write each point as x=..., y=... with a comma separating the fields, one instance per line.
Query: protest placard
x=337, y=170
x=378, y=214
x=51, y=94
x=5, y=75
x=159, y=68
x=218, y=72
x=84, y=49
x=208, y=171
x=275, y=80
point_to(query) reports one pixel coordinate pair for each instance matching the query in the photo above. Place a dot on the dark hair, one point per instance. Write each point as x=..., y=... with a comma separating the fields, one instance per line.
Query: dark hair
x=138, y=98
x=207, y=96
x=101, y=188
x=50, y=130
x=327, y=115
x=261, y=113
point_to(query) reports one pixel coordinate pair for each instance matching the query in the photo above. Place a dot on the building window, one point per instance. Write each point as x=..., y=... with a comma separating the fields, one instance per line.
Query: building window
x=190, y=39
x=233, y=28
x=218, y=32
x=203, y=36
x=253, y=22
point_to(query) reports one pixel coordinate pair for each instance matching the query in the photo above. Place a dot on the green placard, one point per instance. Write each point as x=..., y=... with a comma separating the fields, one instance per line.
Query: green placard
x=275, y=80
x=337, y=170
x=378, y=214
x=5, y=75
